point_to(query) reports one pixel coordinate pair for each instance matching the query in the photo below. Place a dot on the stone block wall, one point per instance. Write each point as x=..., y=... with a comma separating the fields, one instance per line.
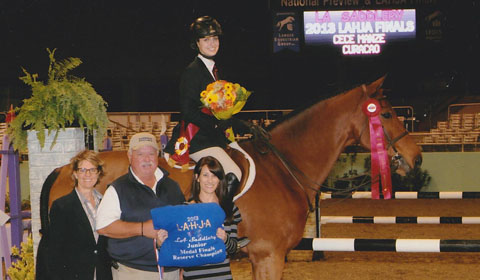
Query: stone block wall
x=42, y=161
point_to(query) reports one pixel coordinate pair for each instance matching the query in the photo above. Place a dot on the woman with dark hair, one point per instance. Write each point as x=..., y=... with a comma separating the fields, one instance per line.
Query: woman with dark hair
x=209, y=185
x=203, y=131
x=75, y=248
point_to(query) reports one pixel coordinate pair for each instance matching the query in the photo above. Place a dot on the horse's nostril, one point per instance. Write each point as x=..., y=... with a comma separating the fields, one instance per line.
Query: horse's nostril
x=418, y=161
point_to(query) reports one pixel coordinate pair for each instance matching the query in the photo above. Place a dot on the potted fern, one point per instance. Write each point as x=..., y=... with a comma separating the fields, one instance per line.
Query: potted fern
x=62, y=101
x=57, y=113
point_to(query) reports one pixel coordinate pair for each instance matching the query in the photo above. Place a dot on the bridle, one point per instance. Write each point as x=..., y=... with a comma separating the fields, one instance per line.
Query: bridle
x=259, y=134
x=396, y=158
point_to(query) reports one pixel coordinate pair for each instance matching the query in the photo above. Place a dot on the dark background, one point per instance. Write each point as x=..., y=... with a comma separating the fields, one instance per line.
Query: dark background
x=133, y=53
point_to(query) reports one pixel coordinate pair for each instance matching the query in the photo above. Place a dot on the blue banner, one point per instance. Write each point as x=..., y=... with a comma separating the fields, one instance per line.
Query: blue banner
x=192, y=239
x=286, y=32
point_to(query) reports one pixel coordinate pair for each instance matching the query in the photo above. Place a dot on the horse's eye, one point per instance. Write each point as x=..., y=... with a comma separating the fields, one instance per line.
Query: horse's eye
x=387, y=115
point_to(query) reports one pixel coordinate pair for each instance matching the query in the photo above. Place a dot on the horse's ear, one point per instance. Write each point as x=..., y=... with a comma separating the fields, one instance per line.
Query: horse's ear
x=373, y=88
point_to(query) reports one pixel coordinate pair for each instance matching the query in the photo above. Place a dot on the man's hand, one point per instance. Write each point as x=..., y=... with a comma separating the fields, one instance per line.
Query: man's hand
x=162, y=235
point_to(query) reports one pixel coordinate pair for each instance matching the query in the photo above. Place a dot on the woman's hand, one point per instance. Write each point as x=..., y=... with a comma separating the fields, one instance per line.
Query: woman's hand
x=161, y=236
x=221, y=234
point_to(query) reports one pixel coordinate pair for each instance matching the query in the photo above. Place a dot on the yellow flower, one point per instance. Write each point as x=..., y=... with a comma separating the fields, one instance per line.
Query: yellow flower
x=224, y=99
x=228, y=87
x=23, y=268
x=229, y=95
x=211, y=98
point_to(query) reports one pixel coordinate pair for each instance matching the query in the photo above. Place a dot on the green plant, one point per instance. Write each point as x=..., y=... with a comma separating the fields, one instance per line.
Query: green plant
x=62, y=101
x=23, y=268
x=415, y=180
x=25, y=205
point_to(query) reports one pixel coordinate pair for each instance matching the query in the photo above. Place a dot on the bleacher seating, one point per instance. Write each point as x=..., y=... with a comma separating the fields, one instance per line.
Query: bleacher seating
x=121, y=134
x=459, y=129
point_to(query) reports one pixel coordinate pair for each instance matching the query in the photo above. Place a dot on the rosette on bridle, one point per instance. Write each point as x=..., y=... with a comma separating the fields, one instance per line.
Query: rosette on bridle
x=379, y=162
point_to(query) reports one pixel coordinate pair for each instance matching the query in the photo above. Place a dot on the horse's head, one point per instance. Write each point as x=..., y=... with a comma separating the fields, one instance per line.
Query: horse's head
x=404, y=152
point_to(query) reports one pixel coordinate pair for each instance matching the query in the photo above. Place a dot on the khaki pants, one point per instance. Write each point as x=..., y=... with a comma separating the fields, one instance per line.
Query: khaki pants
x=127, y=273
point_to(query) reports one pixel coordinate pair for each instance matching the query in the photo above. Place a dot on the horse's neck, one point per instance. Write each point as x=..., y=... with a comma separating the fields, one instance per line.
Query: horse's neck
x=314, y=139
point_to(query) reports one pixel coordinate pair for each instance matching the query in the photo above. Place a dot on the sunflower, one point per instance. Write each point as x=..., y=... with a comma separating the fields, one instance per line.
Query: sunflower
x=230, y=95
x=211, y=98
x=228, y=87
x=224, y=98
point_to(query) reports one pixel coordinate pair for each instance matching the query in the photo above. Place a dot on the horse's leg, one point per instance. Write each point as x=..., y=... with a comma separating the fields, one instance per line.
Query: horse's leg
x=267, y=266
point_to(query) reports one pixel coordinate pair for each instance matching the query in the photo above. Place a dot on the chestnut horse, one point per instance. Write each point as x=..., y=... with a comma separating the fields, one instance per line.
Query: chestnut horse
x=305, y=147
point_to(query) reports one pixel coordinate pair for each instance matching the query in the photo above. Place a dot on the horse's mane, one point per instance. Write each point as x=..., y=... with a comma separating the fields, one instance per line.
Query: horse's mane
x=305, y=106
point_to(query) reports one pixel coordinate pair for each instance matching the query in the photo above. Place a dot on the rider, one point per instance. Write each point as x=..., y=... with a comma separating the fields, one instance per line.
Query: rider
x=198, y=129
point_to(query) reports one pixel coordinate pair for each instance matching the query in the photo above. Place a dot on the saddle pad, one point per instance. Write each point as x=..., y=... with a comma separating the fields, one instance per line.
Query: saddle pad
x=251, y=168
x=192, y=239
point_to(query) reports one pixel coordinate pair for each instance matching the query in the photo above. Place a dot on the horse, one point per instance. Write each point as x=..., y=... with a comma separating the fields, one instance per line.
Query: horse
x=290, y=168
x=287, y=20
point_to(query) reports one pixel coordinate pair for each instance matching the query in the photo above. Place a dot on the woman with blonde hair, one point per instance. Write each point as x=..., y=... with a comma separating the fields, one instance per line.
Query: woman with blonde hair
x=75, y=248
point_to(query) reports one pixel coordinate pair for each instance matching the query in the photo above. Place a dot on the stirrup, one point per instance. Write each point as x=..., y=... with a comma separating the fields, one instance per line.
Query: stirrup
x=242, y=242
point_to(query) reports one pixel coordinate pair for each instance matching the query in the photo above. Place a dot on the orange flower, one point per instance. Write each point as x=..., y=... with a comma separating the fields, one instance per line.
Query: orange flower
x=224, y=99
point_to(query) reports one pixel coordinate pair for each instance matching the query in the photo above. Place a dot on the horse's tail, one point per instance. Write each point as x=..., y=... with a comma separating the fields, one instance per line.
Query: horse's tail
x=44, y=198
x=42, y=271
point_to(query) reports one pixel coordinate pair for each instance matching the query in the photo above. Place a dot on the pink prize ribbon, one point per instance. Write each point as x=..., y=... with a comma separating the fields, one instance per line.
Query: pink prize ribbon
x=379, y=162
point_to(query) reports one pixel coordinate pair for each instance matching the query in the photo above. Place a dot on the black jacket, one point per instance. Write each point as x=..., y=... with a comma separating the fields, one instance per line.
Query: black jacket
x=194, y=80
x=74, y=254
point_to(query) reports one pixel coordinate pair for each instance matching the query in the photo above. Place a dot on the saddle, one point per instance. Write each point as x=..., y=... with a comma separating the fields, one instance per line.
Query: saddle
x=242, y=162
x=238, y=155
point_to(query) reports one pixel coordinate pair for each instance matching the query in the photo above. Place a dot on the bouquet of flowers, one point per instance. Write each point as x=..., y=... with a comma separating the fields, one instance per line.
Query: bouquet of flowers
x=224, y=99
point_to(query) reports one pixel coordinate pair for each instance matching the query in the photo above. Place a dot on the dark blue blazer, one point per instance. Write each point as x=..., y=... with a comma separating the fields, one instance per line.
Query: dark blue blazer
x=73, y=252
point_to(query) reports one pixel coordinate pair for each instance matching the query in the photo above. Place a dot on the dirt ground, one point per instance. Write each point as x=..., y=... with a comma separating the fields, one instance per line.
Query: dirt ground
x=385, y=265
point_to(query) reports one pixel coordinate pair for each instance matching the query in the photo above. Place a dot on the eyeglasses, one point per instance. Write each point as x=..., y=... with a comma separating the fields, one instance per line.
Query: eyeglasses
x=85, y=170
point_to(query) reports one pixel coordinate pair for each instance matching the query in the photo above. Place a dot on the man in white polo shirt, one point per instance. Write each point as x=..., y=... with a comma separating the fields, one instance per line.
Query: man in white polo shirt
x=124, y=212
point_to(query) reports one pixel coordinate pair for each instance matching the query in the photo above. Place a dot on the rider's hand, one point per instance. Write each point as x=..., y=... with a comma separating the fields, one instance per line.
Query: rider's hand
x=224, y=124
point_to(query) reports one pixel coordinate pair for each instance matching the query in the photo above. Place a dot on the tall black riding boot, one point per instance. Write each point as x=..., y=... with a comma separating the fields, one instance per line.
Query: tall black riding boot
x=232, y=185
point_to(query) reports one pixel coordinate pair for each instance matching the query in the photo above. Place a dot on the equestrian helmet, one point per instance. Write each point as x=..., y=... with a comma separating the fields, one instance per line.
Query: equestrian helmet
x=203, y=27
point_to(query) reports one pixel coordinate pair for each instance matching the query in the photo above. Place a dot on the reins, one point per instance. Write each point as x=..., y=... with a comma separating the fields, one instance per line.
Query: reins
x=264, y=137
x=261, y=137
